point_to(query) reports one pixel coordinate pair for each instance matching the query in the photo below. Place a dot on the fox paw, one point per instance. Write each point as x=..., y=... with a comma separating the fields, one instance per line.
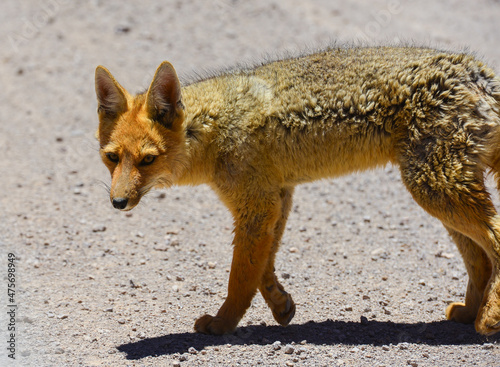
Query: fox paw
x=213, y=325
x=459, y=312
x=488, y=319
x=284, y=312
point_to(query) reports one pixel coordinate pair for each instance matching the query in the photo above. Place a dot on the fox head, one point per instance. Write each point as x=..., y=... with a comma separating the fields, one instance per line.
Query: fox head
x=141, y=137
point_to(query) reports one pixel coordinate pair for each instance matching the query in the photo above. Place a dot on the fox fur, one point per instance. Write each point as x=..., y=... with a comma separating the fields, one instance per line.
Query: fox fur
x=253, y=134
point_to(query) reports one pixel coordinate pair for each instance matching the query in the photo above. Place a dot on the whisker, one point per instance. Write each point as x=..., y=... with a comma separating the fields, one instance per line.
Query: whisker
x=102, y=184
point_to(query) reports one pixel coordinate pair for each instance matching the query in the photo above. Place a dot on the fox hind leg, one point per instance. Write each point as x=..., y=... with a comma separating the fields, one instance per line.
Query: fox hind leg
x=479, y=270
x=463, y=204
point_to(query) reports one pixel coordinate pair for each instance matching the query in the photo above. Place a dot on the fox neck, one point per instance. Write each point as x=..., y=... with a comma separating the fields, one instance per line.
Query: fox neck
x=203, y=109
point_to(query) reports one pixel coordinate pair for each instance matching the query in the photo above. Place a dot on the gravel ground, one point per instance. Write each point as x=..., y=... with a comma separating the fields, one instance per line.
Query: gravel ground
x=371, y=273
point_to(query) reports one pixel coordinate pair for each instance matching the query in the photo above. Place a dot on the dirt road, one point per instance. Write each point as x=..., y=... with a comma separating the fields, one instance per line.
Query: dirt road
x=371, y=273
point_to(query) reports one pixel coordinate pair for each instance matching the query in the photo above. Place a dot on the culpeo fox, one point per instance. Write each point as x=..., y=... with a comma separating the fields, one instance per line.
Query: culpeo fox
x=254, y=134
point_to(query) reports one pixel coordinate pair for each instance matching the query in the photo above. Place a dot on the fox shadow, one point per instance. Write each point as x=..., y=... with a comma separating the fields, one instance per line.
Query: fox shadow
x=328, y=332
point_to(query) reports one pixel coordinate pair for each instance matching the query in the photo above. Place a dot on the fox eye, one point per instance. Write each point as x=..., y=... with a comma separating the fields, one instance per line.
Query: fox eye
x=148, y=160
x=113, y=157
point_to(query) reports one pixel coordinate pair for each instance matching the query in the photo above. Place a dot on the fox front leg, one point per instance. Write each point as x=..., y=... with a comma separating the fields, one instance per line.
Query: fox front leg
x=253, y=240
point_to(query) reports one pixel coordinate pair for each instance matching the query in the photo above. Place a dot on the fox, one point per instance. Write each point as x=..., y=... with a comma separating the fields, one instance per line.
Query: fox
x=255, y=132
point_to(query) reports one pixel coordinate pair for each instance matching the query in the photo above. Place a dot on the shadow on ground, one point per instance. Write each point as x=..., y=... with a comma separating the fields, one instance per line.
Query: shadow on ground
x=321, y=333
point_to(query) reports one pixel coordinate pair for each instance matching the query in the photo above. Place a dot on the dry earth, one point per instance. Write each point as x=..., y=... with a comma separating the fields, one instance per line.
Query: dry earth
x=370, y=271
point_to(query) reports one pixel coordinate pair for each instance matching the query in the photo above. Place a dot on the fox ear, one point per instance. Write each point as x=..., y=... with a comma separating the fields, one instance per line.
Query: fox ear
x=164, y=97
x=111, y=96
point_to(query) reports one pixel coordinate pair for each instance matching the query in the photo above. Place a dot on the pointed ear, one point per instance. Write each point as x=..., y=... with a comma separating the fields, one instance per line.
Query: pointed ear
x=163, y=98
x=111, y=96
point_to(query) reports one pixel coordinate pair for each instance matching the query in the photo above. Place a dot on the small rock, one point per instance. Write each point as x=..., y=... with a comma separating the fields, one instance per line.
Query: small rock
x=488, y=346
x=403, y=346
x=59, y=351
x=385, y=348
x=121, y=321
x=300, y=350
x=293, y=250
x=99, y=228
x=179, y=278
x=354, y=350
x=444, y=255
x=289, y=349
x=412, y=363
x=183, y=357
x=277, y=345
x=192, y=350
x=123, y=29
x=285, y=276
x=364, y=320
x=62, y=317
x=211, y=265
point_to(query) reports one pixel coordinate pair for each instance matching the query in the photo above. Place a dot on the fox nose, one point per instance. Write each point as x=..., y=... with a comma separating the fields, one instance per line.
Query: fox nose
x=120, y=203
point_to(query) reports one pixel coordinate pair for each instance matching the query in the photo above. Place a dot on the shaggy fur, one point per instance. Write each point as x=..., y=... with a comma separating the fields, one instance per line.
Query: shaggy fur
x=254, y=134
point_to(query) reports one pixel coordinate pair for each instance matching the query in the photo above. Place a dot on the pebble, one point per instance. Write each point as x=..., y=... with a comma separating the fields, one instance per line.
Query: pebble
x=192, y=350
x=289, y=349
x=99, y=228
x=403, y=346
x=445, y=255
x=488, y=346
x=277, y=345
x=121, y=321
x=293, y=250
x=211, y=265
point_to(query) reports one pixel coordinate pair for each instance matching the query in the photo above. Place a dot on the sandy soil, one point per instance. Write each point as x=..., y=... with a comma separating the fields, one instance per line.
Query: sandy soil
x=370, y=271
